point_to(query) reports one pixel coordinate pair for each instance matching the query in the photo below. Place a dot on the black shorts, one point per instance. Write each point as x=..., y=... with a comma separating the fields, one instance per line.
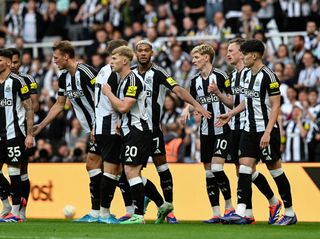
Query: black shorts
x=13, y=151
x=221, y=146
x=207, y=147
x=234, y=143
x=249, y=146
x=137, y=147
x=92, y=147
x=110, y=147
x=158, y=143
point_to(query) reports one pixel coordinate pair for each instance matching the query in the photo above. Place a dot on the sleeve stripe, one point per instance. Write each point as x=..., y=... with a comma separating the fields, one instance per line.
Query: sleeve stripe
x=222, y=73
x=270, y=74
x=87, y=71
x=163, y=71
x=22, y=82
x=28, y=76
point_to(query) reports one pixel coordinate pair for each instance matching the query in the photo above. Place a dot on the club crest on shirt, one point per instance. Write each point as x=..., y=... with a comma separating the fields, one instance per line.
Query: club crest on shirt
x=148, y=80
x=8, y=89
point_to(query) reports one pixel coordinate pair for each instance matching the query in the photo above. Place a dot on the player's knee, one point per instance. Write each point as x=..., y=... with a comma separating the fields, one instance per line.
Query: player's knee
x=159, y=160
x=13, y=171
x=216, y=167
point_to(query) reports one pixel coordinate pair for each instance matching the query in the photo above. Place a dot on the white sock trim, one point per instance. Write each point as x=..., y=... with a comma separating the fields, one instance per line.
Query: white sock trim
x=276, y=172
x=144, y=181
x=12, y=171
x=94, y=172
x=111, y=176
x=216, y=167
x=162, y=168
x=24, y=177
x=255, y=175
x=209, y=174
x=245, y=169
x=135, y=181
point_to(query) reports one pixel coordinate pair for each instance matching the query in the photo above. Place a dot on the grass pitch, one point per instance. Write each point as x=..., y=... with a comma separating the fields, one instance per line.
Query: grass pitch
x=60, y=229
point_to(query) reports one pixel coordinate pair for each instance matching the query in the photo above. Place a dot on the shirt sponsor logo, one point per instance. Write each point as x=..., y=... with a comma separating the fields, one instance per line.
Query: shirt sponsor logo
x=208, y=99
x=5, y=102
x=132, y=90
x=252, y=94
x=238, y=90
x=71, y=94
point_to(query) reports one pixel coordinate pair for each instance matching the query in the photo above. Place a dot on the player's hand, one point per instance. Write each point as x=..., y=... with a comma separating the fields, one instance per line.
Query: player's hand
x=185, y=115
x=36, y=129
x=213, y=88
x=28, y=142
x=223, y=119
x=106, y=89
x=264, y=141
x=203, y=112
x=118, y=128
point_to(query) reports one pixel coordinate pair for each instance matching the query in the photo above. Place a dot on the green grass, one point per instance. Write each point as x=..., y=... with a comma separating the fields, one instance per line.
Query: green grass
x=56, y=229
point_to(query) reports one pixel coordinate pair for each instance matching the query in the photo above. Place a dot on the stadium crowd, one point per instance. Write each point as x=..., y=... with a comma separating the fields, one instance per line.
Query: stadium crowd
x=296, y=64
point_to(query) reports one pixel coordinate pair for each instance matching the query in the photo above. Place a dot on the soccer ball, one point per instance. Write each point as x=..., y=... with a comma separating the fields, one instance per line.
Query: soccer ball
x=69, y=211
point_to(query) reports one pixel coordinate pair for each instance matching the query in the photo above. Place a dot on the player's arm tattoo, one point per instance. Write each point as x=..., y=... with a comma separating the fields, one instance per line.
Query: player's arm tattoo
x=27, y=104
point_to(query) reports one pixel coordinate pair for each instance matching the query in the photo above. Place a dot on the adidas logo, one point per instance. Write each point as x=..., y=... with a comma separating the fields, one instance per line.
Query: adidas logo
x=14, y=159
x=93, y=149
x=218, y=152
x=128, y=159
x=268, y=158
x=157, y=151
x=199, y=87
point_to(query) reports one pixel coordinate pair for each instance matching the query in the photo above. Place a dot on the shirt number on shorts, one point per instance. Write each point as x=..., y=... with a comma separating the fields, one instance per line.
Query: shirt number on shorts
x=157, y=142
x=222, y=144
x=131, y=151
x=267, y=152
x=14, y=152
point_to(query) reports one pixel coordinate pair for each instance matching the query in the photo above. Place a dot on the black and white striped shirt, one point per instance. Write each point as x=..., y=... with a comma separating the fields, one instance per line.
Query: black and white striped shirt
x=80, y=89
x=238, y=92
x=106, y=118
x=211, y=102
x=156, y=81
x=13, y=91
x=259, y=88
x=31, y=83
x=296, y=146
x=133, y=86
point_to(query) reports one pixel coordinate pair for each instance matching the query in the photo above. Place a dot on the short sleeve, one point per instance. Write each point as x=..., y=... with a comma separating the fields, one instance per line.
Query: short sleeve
x=167, y=80
x=22, y=89
x=133, y=87
x=272, y=84
x=62, y=84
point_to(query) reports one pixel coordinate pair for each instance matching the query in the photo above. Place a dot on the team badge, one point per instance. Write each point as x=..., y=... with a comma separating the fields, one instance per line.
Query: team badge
x=8, y=89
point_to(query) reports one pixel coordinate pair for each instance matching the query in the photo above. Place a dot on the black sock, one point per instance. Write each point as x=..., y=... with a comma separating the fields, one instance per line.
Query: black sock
x=166, y=185
x=152, y=193
x=249, y=201
x=213, y=191
x=284, y=189
x=95, y=182
x=244, y=188
x=137, y=194
x=4, y=187
x=15, y=189
x=262, y=184
x=223, y=183
x=107, y=188
x=125, y=190
x=25, y=189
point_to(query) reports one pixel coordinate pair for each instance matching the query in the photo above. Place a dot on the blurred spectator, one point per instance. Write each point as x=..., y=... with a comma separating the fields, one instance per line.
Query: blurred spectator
x=62, y=154
x=219, y=26
x=174, y=144
x=188, y=30
x=32, y=23
x=97, y=61
x=310, y=75
x=232, y=12
x=298, y=51
x=177, y=56
x=184, y=74
x=296, y=129
x=286, y=107
x=314, y=106
x=290, y=75
x=282, y=55
x=310, y=40
x=26, y=62
x=296, y=12
x=194, y=9
x=176, y=13
x=150, y=16
x=74, y=27
x=265, y=12
x=248, y=23
x=212, y=7
x=99, y=45
x=220, y=60
x=170, y=113
x=13, y=23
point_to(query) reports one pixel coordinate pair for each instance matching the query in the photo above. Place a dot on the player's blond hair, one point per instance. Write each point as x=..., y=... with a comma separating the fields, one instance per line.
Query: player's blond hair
x=204, y=49
x=124, y=51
